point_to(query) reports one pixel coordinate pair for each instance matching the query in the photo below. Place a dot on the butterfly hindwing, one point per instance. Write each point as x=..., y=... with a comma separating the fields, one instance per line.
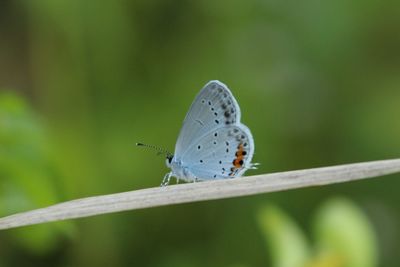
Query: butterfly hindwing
x=225, y=152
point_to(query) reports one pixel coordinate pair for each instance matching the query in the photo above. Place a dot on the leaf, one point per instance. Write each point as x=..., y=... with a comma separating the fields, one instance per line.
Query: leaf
x=286, y=241
x=27, y=177
x=344, y=236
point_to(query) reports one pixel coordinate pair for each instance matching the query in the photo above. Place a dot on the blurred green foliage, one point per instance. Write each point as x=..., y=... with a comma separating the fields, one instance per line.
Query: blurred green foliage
x=27, y=178
x=287, y=243
x=318, y=84
x=343, y=237
x=343, y=234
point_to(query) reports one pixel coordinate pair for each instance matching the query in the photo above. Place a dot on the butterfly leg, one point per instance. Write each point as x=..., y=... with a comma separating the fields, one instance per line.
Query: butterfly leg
x=166, y=179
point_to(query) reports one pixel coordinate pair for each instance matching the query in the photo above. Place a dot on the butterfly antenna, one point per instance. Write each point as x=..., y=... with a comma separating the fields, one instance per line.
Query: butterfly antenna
x=160, y=150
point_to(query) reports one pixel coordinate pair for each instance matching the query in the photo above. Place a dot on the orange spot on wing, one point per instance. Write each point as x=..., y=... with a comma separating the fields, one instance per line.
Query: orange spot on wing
x=239, y=160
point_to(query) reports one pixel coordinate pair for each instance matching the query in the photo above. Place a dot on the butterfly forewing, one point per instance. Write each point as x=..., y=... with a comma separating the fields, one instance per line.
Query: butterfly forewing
x=213, y=108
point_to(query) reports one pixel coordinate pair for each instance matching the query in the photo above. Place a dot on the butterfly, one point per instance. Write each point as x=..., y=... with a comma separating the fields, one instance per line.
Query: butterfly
x=213, y=143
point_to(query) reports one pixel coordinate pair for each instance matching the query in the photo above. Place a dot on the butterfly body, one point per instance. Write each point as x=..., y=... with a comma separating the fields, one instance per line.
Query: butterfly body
x=213, y=143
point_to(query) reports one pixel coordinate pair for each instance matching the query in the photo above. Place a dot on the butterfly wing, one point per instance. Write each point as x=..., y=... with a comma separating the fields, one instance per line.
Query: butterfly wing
x=225, y=152
x=213, y=144
x=214, y=107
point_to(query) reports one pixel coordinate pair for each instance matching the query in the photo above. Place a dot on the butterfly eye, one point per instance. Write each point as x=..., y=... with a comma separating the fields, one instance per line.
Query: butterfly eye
x=169, y=160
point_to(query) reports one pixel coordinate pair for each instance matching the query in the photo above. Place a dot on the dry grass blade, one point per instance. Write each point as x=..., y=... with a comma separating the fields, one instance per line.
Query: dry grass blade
x=184, y=193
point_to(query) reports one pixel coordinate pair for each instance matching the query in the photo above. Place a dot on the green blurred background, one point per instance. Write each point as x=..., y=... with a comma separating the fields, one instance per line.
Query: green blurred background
x=82, y=81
